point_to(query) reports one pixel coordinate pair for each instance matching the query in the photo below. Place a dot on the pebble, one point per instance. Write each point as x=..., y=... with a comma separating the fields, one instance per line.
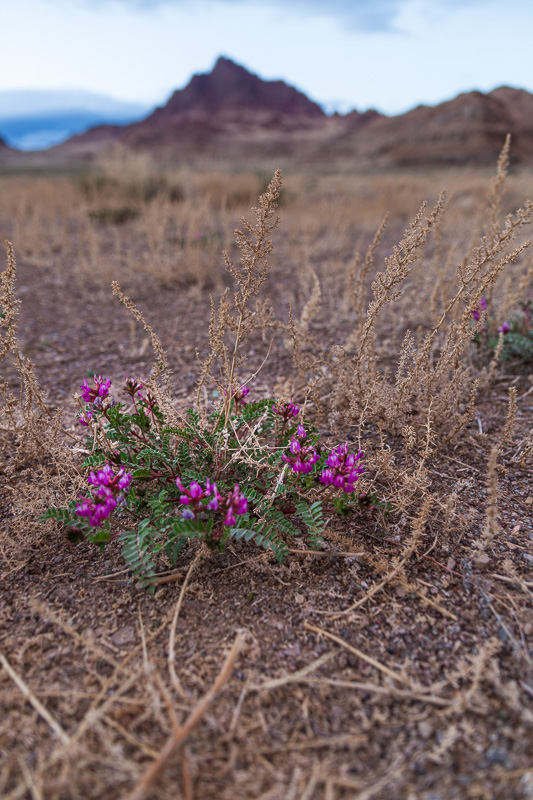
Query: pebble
x=496, y=755
x=123, y=636
x=528, y=629
x=425, y=729
x=292, y=651
x=482, y=560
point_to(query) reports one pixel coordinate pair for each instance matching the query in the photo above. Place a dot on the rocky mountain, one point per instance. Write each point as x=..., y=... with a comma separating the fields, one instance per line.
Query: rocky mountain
x=231, y=92
x=228, y=112
x=471, y=128
x=233, y=116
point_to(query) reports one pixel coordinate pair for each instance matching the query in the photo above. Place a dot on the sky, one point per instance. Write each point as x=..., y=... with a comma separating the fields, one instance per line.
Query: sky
x=386, y=54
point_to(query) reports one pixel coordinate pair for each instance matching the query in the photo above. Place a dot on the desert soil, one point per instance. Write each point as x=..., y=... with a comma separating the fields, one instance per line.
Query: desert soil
x=420, y=689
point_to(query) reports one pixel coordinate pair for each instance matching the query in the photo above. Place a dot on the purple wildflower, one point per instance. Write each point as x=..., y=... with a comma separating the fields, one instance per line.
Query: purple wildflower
x=101, y=389
x=505, y=328
x=479, y=309
x=105, y=477
x=342, y=469
x=287, y=410
x=149, y=401
x=193, y=496
x=84, y=420
x=238, y=393
x=132, y=386
x=107, y=494
x=304, y=457
x=233, y=505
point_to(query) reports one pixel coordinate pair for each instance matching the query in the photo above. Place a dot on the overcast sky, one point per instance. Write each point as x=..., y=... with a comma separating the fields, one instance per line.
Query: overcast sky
x=386, y=54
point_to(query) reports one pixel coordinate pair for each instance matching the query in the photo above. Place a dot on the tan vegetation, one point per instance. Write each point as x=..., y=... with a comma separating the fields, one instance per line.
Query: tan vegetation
x=376, y=664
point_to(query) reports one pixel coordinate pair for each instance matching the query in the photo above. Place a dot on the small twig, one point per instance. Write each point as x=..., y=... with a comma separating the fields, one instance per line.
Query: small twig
x=186, y=775
x=358, y=653
x=172, y=578
x=342, y=739
x=178, y=737
x=295, y=677
x=420, y=697
x=428, y=600
x=326, y=553
x=129, y=737
x=38, y=706
x=311, y=785
x=513, y=581
x=111, y=575
x=172, y=638
x=29, y=780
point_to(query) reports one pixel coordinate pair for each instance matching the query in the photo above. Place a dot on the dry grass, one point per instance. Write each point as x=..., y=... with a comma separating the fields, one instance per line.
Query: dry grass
x=367, y=671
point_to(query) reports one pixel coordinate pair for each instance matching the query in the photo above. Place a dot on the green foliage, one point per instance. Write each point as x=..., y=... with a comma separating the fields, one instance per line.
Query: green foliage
x=313, y=519
x=517, y=333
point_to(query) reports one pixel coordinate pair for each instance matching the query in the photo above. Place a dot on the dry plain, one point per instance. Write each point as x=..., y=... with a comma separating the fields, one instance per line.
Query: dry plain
x=395, y=663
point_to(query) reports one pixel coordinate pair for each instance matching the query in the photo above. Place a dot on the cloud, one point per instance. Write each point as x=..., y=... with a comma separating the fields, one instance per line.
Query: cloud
x=367, y=15
x=372, y=16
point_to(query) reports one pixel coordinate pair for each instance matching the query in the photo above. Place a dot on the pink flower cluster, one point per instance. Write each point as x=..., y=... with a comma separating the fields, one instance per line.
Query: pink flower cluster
x=101, y=389
x=109, y=491
x=132, y=386
x=149, y=401
x=231, y=505
x=287, y=410
x=194, y=495
x=342, y=469
x=84, y=420
x=302, y=458
x=238, y=393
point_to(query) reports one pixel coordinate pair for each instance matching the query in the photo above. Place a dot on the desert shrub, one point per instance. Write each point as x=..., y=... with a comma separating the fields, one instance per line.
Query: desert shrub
x=114, y=216
x=420, y=396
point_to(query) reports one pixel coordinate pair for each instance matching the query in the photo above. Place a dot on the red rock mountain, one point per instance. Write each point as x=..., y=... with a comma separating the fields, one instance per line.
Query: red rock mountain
x=470, y=128
x=230, y=90
x=234, y=116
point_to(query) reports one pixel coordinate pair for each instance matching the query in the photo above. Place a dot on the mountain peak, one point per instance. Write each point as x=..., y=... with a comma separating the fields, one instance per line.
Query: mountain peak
x=230, y=87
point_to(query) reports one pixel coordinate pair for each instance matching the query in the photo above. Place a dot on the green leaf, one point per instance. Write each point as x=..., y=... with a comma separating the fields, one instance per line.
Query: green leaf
x=141, y=473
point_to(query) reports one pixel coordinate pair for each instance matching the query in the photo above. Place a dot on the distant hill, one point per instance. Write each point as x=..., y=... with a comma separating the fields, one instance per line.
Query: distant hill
x=35, y=120
x=471, y=128
x=230, y=115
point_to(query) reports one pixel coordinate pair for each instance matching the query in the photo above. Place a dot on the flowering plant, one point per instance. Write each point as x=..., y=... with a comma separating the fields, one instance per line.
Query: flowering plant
x=154, y=487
